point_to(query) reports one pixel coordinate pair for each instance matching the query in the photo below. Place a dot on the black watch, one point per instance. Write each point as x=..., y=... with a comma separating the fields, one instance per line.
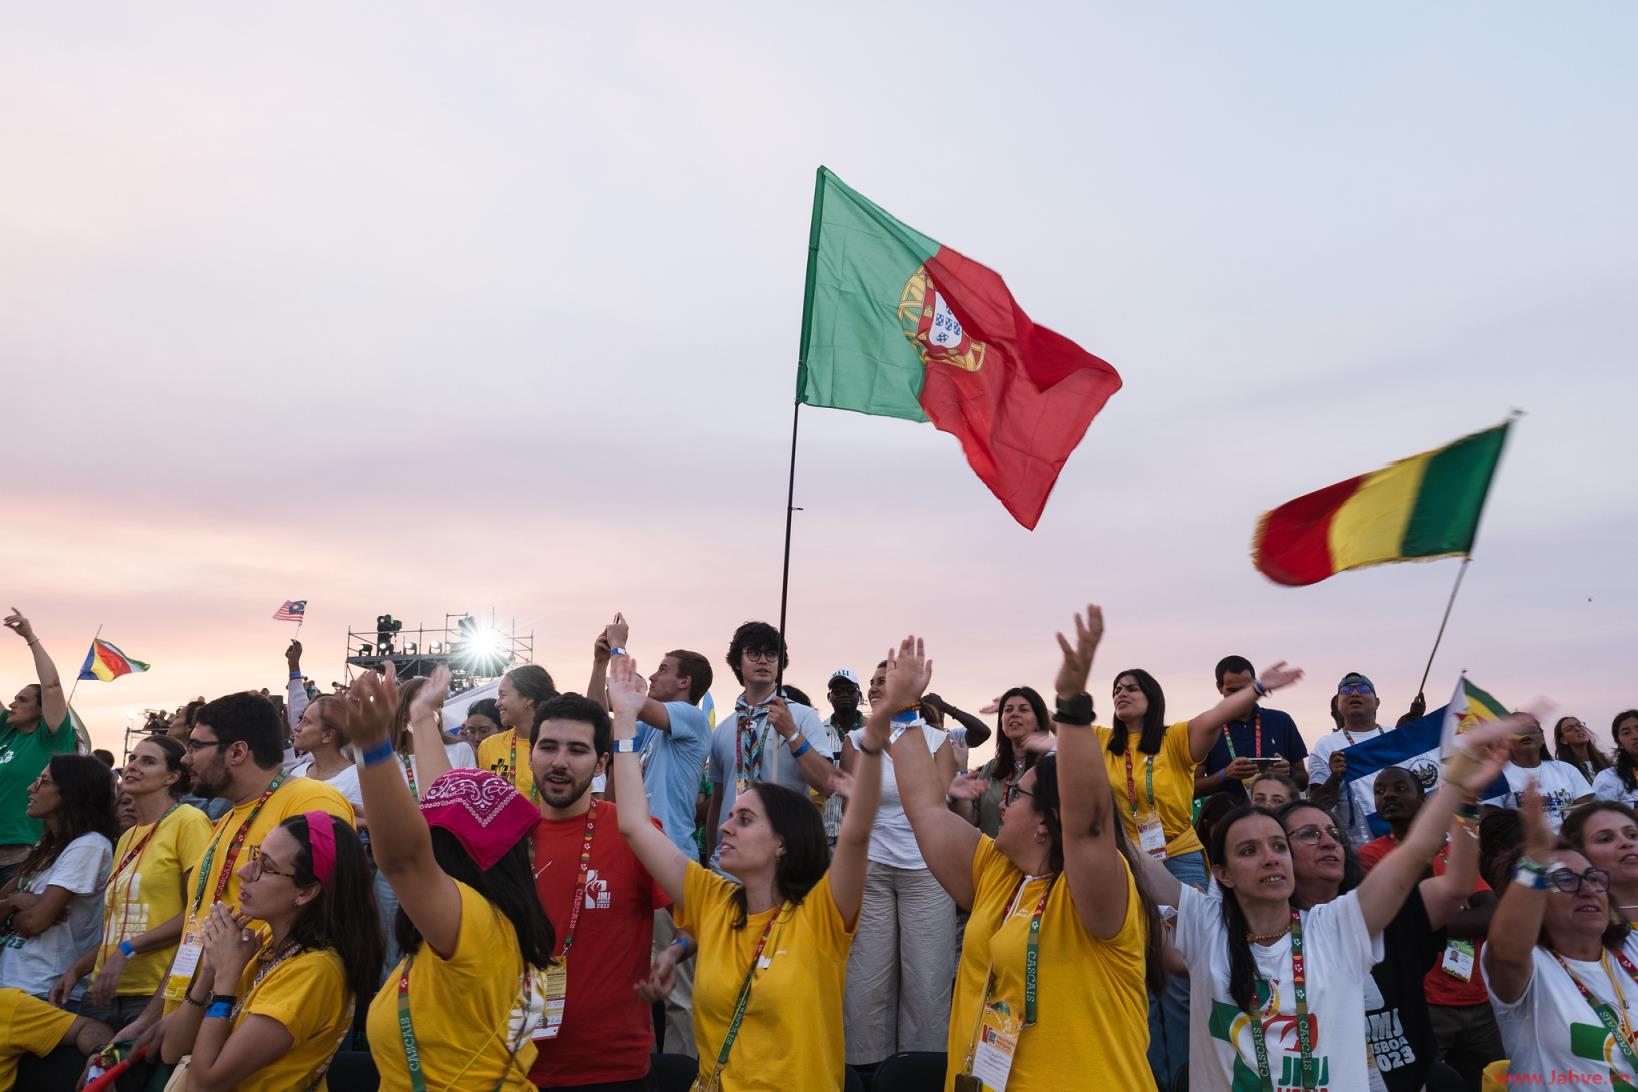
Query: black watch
x=1075, y=710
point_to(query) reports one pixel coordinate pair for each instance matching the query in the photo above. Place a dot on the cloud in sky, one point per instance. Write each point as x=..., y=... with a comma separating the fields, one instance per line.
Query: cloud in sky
x=421, y=311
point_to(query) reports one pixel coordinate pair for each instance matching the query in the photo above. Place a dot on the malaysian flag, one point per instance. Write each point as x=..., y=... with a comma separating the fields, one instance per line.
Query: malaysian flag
x=292, y=611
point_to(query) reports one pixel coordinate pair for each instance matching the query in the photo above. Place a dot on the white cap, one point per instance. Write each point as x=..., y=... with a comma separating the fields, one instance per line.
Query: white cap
x=842, y=673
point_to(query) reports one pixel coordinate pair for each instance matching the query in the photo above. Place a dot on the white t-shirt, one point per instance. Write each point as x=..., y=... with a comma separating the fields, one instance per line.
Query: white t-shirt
x=1357, y=800
x=460, y=755
x=1609, y=786
x=1559, y=783
x=892, y=842
x=33, y=964
x=1551, y=1030
x=1337, y=956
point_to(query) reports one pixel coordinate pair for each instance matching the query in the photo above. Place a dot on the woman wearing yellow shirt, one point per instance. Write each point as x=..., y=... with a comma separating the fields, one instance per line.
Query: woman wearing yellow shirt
x=1062, y=940
x=142, y=912
x=457, y=1012
x=1153, y=779
x=773, y=947
x=268, y=1017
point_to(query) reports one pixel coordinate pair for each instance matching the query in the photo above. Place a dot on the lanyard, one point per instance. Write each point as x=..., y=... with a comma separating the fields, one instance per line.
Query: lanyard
x=1032, y=964
x=534, y=790
x=409, y=771
x=1257, y=729
x=406, y=1029
x=580, y=884
x=1149, y=781
x=134, y=853
x=233, y=850
x=744, y=996
x=1618, y=1029
x=1305, y=1041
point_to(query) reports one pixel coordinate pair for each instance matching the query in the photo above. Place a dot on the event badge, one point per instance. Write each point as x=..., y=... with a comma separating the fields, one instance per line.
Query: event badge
x=1152, y=835
x=1458, y=961
x=185, y=963
x=997, y=1042
x=555, y=991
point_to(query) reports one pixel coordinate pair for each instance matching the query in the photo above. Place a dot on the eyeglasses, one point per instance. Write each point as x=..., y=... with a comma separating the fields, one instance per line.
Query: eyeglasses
x=259, y=866
x=1571, y=884
x=197, y=745
x=1310, y=835
x=1013, y=792
x=1356, y=688
x=766, y=655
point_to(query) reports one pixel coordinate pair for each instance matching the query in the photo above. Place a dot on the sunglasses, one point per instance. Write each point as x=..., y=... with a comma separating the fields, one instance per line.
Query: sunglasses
x=1310, y=835
x=1571, y=883
x=1356, y=688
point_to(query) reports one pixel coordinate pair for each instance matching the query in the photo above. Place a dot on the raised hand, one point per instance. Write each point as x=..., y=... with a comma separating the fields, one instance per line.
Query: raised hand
x=429, y=699
x=600, y=647
x=991, y=709
x=1040, y=743
x=1279, y=675
x=909, y=671
x=1538, y=836
x=292, y=656
x=372, y=701
x=19, y=625
x=627, y=689
x=968, y=787
x=1077, y=665
x=617, y=631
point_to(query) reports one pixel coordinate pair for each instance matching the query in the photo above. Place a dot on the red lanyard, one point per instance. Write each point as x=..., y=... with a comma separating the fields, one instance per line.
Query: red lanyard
x=534, y=790
x=580, y=884
x=233, y=850
x=1149, y=779
x=1257, y=729
x=136, y=850
x=409, y=772
x=134, y=853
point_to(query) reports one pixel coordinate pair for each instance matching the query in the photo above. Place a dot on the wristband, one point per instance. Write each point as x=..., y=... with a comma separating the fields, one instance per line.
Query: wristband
x=1530, y=864
x=127, y=949
x=1257, y=685
x=294, y=675
x=1075, y=710
x=681, y=941
x=626, y=746
x=381, y=752
x=907, y=716
x=219, y=1010
x=617, y=651
x=1525, y=877
x=798, y=752
x=874, y=752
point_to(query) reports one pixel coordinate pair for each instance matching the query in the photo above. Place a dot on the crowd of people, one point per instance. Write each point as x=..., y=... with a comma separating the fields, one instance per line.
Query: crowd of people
x=604, y=890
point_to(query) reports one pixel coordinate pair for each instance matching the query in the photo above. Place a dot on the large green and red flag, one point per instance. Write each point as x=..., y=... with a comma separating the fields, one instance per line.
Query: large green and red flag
x=898, y=325
x=1419, y=508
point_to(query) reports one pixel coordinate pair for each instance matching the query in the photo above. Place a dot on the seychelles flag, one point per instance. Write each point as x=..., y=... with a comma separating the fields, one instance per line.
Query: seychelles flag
x=898, y=325
x=105, y=662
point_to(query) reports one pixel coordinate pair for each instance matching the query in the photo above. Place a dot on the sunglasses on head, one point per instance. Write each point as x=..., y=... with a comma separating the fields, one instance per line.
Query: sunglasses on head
x=1356, y=688
x=1571, y=883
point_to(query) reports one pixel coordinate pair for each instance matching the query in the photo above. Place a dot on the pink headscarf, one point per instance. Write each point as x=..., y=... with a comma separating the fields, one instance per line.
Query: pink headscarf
x=321, y=841
x=482, y=810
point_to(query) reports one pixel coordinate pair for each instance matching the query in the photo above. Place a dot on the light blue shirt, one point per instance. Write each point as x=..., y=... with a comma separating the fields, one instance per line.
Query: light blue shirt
x=672, y=762
x=776, y=764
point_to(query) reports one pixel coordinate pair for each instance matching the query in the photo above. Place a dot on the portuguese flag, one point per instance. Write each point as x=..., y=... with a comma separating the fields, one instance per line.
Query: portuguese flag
x=896, y=324
x=1425, y=506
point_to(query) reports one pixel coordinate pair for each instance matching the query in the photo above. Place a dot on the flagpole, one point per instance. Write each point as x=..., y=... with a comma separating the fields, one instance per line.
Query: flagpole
x=1466, y=560
x=73, y=689
x=785, y=574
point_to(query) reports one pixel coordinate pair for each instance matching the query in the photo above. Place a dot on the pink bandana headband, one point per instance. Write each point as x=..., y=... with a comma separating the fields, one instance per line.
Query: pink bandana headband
x=321, y=842
x=484, y=812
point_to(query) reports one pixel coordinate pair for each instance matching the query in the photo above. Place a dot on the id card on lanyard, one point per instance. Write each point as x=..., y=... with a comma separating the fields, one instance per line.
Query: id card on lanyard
x=1305, y=1031
x=1151, y=831
x=555, y=987
x=995, y=1040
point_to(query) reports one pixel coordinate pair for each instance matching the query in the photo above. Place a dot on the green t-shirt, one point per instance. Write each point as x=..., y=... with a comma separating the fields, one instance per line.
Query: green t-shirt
x=22, y=756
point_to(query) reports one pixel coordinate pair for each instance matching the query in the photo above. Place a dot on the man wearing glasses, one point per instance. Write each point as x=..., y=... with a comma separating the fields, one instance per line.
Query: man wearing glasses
x=1357, y=705
x=766, y=738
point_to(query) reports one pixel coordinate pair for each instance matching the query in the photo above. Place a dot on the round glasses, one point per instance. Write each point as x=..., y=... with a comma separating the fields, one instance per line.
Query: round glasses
x=1571, y=883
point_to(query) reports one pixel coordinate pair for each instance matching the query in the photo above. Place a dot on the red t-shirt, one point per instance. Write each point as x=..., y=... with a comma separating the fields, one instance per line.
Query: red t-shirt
x=608, y=1031
x=1441, y=987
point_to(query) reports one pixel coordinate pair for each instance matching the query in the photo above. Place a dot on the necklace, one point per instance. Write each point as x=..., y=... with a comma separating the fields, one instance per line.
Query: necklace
x=1268, y=938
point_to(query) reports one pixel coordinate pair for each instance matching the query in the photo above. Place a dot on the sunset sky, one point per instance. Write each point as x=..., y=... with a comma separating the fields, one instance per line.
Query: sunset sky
x=416, y=309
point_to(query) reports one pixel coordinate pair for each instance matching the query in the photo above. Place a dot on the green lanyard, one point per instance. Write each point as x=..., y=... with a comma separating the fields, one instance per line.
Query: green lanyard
x=1032, y=964
x=1305, y=1035
x=233, y=850
x=1257, y=730
x=743, y=1002
x=406, y=1030
x=1605, y=1014
x=1148, y=780
x=534, y=789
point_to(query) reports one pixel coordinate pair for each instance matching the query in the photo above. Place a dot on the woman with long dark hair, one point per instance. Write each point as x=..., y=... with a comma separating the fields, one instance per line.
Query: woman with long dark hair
x=1620, y=781
x=51, y=910
x=267, y=1017
x=1562, y=965
x=1275, y=988
x=35, y=726
x=142, y=909
x=1022, y=716
x=773, y=946
x=1573, y=743
x=1151, y=765
x=1606, y=833
x=1062, y=941
x=458, y=1010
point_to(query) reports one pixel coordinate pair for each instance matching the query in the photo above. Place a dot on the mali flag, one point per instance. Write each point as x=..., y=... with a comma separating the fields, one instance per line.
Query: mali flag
x=898, y=325
x=106, y=662
x=1425, y=506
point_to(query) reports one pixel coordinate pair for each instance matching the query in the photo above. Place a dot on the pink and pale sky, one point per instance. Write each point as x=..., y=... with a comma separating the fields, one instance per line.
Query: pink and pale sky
x=417, y=310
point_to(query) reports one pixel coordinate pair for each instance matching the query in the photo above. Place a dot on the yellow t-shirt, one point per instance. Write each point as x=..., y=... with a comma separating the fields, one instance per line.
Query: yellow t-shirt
x=294, y=796
x=148, y=892
x=308, y=994
x=496, y=754
x=791, y=1036
x=1174, y=786
x=27, y=1026
x=1092, y=1008
x=464, y=1010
